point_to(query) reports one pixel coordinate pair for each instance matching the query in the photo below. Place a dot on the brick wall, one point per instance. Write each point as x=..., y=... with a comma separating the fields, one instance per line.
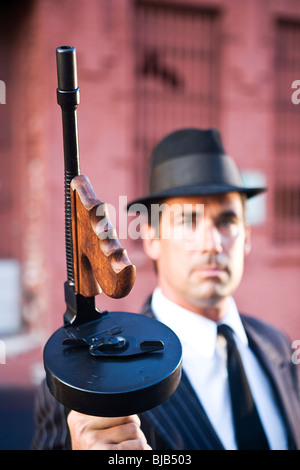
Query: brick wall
x=104, y=35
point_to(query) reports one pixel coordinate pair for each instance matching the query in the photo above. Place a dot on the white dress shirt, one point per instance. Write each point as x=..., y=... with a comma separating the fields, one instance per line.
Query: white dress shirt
x=204, y=362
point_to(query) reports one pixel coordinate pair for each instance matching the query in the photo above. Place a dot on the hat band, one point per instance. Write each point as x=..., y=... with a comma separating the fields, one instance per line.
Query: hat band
x=195, y=169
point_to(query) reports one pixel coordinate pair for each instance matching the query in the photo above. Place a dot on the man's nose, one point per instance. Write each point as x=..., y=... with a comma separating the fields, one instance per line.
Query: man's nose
x=212, y=240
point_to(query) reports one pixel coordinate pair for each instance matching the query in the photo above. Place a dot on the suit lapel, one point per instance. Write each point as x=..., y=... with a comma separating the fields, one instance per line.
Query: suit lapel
x=172, y=414
x=278, y=369
x=182, y=422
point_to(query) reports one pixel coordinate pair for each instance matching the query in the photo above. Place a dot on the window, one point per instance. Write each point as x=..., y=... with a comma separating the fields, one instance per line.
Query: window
x=10, y=297
x=177, y=74
x=287, y=134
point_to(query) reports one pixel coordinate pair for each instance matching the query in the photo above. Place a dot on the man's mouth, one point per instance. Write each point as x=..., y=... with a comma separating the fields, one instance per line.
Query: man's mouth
x=210, y=271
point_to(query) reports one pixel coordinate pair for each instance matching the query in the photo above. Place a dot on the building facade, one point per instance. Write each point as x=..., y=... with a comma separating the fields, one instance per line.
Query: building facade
x=144, y=68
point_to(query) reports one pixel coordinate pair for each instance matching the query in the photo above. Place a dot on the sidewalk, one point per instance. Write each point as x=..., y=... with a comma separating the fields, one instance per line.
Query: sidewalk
x=16, y=418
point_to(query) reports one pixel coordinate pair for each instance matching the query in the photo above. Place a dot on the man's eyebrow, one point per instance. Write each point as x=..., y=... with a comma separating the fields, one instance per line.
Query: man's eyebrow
x=229, y=213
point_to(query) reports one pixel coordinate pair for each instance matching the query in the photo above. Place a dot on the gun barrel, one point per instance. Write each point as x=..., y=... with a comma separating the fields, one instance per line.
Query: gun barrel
x=68, y=99
x=66, y=68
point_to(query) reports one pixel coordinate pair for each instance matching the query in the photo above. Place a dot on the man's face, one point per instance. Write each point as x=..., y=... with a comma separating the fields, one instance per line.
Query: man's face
x=200, y=249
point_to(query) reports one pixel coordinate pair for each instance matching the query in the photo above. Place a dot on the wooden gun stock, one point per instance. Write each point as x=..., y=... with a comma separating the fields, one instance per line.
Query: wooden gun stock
x=99, y=260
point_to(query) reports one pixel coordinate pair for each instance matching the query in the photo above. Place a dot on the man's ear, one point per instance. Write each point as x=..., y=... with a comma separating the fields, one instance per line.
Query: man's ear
x=247, y=245
x=151, y=242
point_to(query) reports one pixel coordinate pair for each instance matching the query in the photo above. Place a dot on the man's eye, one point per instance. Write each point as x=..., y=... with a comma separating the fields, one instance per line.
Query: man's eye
x=184, y=221
x=227, y=223
x=187, y=221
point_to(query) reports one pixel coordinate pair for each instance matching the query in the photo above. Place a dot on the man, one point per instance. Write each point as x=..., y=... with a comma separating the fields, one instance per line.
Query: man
x=198, y=246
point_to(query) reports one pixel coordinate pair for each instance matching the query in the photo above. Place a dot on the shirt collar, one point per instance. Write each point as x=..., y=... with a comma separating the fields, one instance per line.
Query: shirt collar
x=196, y=333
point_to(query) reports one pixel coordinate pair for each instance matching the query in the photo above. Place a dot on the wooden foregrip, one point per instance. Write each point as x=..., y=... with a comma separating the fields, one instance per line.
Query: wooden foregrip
x=100, y=263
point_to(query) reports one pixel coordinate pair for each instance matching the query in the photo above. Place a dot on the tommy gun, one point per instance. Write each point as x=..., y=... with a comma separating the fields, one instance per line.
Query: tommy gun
x=101, y=363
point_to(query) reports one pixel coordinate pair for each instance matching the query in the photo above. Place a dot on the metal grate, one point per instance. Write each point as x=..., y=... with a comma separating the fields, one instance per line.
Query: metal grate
x=287, y=134
x=177, y=74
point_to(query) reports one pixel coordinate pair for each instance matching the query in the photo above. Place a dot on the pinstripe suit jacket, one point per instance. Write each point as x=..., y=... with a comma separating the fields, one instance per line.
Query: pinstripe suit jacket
x=181, y=422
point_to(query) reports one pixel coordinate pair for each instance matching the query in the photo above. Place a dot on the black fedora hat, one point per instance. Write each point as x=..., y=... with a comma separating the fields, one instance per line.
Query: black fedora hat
x=192, y=162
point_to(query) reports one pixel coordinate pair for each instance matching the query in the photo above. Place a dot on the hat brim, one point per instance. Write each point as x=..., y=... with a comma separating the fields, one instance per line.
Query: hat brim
x=196, y=190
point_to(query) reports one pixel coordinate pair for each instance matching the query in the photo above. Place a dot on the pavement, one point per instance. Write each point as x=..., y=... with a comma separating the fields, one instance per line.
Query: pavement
x=16, y=418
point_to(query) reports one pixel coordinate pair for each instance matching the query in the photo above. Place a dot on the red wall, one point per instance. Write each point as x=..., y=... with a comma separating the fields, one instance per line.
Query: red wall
x=102, y=33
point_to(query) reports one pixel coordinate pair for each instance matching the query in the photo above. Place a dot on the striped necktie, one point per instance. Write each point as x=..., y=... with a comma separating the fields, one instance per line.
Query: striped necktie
x=248, y=428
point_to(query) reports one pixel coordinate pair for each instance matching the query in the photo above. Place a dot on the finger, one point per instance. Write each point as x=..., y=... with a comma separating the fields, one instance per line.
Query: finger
x=106, y=423
x=110, y=422
x=126, y=436
x=125, y=432
x=97, y=422
x=130, y=445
